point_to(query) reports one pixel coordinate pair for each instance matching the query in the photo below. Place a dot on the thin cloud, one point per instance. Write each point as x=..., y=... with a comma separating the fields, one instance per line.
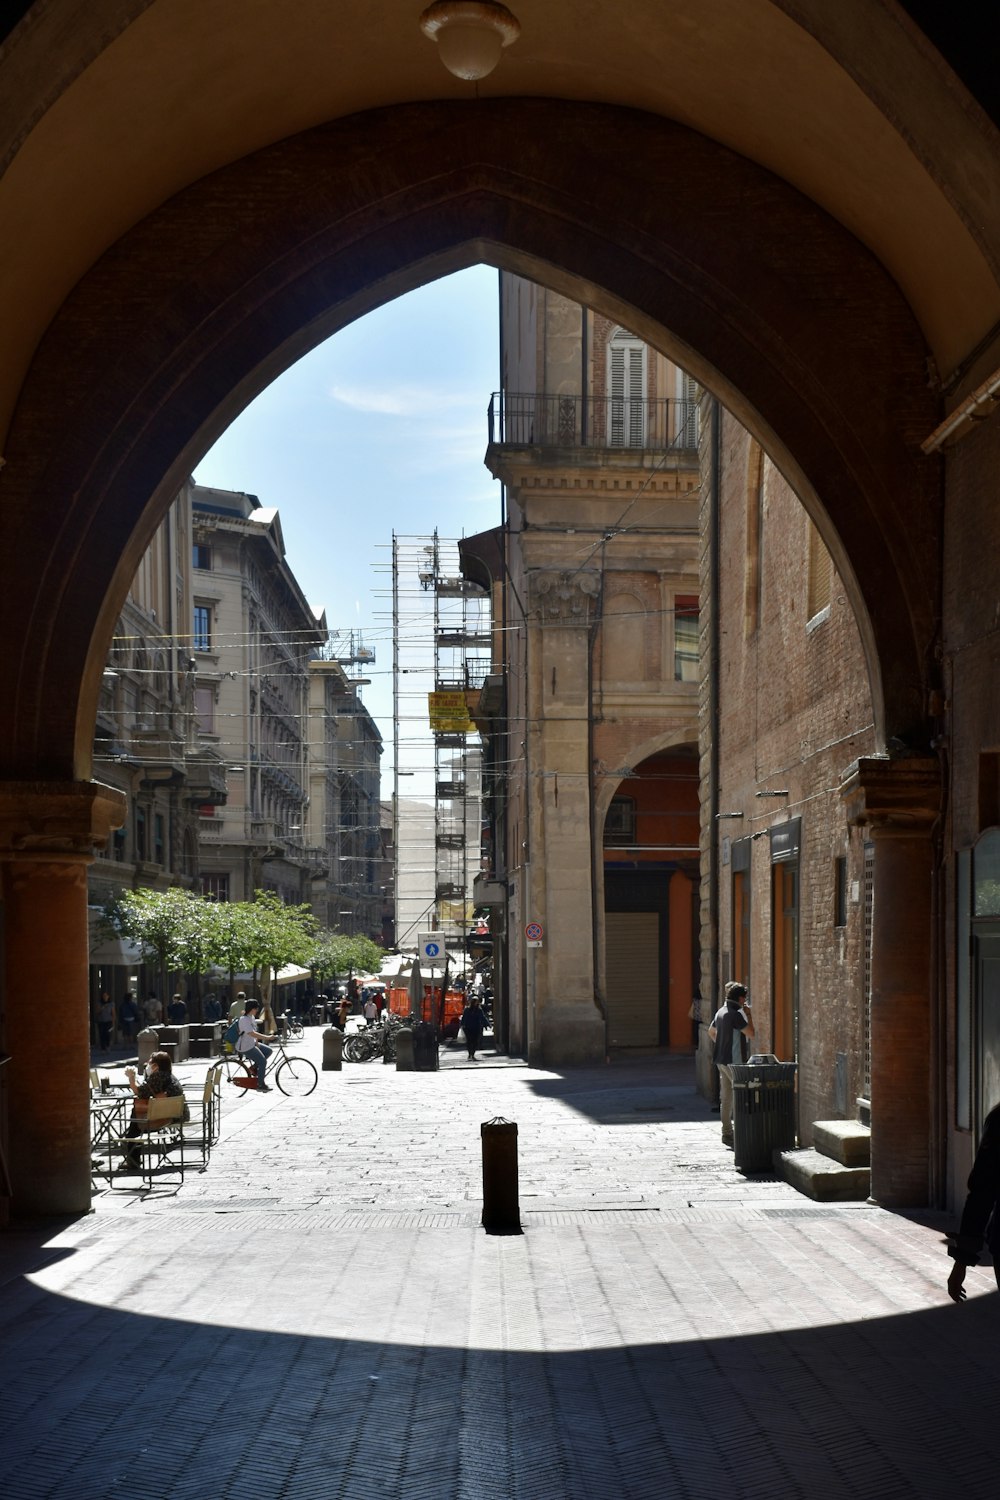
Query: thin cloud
x=401, y=400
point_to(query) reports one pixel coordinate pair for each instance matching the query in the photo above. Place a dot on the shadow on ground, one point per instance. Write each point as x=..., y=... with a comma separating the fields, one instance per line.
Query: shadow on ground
x=100, y=1402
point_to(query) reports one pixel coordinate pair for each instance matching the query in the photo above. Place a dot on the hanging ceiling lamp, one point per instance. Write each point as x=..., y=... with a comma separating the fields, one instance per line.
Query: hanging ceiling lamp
x=470, y=34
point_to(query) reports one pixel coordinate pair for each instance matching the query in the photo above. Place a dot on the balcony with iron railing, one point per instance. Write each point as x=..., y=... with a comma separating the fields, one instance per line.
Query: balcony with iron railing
x=533, y=420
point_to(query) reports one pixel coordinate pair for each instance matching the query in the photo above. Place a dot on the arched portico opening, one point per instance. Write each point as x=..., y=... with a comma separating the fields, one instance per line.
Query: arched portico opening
x=706, y=256
x=649, y=875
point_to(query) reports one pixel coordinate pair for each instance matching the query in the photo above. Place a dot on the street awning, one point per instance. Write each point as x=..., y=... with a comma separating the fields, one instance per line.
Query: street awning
x=108, y=951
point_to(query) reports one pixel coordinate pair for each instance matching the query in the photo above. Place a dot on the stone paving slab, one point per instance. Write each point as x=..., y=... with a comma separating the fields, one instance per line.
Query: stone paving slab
x=319, y=1313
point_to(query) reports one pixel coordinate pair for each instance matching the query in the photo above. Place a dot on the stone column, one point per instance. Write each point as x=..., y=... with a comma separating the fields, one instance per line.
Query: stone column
x=899, y=801
x=48, y=834
x=566, y=1026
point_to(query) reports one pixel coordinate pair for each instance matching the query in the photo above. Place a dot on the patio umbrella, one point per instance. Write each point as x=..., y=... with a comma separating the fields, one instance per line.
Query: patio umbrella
x=416, y=991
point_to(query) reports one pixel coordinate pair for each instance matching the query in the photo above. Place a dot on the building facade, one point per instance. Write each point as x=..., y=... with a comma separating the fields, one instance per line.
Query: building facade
x=786, y=711
x=253, y=635
x=594, y=436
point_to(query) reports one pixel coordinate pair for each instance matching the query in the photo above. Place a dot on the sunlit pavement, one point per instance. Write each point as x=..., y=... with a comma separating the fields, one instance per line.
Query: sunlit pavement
x=319, y=1312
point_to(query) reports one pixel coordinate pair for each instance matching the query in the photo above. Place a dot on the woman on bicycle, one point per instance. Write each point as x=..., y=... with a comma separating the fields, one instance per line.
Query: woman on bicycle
x=250, y=1043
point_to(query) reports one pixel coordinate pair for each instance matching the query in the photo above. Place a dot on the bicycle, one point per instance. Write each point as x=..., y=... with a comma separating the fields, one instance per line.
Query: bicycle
x=295, y=1076
x=291, y=1025
x=374, y=1041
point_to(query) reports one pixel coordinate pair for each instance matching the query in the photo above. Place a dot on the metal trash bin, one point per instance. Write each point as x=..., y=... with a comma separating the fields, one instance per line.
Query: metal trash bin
x=763, y=1111
x=425, y=1047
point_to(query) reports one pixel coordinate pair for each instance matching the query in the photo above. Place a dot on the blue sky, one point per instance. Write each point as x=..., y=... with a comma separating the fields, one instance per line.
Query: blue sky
x=381, y=428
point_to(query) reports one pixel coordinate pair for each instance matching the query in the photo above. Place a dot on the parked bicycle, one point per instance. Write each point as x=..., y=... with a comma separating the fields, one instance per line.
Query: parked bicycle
x=374, y=1041
x=290, y=1026
x=295, y=1076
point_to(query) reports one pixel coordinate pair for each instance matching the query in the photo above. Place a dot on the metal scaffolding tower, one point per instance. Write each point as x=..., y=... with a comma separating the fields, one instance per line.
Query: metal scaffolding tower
x=441, y=644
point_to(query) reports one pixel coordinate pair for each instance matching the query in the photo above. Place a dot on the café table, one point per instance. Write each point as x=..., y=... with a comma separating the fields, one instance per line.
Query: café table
x=110, y=1113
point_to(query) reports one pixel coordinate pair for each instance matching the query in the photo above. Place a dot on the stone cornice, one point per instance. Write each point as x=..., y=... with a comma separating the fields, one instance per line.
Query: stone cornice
x=52, y=819
x=902, y=795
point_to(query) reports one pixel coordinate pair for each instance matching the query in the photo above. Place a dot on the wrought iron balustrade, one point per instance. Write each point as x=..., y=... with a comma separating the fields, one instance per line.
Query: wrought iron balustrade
x=530, y=419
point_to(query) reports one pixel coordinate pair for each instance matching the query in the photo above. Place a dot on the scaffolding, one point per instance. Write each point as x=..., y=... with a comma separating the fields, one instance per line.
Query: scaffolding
x=441, y=652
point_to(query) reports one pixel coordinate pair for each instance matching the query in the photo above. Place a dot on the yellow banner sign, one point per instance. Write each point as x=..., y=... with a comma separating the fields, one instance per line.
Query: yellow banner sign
x=449, y=713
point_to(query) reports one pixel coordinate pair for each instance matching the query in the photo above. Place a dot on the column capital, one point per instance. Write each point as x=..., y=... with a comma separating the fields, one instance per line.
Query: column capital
x=901, y=796
x=57, y=819
x=563, y=596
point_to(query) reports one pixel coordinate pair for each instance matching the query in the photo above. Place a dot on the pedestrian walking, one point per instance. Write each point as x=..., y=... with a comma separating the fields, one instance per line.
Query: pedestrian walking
x=731, y=1025
x=154, y=1011
x=371, y=1011
x=128, y=1017
x=177, y=1011
x=105, y=1020
x=981, y=1214
x=473, y=1024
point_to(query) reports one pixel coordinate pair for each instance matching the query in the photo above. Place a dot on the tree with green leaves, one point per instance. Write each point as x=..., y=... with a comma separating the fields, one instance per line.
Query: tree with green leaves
x=162, y=923
x=337, y=953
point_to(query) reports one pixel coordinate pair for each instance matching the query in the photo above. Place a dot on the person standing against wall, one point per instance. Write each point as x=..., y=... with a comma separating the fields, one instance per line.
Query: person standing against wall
x=730, y=1028
x=981, y=1215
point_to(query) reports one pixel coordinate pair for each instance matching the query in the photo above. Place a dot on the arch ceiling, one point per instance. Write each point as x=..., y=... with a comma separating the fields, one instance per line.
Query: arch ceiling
x=108, y=107
x=155, y=272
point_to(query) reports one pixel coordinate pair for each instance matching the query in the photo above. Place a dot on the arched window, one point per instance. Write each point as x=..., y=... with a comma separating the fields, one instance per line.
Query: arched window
x=626, y=391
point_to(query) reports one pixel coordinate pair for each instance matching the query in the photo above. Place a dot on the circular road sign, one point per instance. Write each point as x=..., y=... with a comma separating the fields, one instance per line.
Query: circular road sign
x=533, y=931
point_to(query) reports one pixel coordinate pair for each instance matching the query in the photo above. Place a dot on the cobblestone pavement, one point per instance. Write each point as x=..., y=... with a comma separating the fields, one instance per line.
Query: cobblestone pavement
x=319, y=1313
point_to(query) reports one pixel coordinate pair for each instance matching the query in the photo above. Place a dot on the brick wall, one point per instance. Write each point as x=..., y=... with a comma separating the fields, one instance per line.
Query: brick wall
x=794, y=712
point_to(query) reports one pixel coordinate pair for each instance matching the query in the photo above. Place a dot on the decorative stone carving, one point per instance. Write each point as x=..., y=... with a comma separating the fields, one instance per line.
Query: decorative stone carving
x=57, y=819
x=563, y=596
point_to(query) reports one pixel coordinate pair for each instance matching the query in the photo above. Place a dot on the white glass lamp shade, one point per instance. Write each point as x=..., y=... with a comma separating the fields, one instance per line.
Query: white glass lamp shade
x=470, y=34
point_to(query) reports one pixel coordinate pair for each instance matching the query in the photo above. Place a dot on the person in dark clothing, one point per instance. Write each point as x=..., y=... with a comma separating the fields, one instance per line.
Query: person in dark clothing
x=981, y=1216
x=473, y=1024
x=731, y=1025
x=159, y=1083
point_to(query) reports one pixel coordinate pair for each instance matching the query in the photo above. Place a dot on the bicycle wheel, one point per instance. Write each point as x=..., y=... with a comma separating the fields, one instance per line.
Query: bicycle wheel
x=353, y=1050
x=296, y=1076
x=240, y=1073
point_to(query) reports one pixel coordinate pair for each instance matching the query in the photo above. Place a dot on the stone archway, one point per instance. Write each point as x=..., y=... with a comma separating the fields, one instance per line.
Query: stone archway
x=762, y=296
x=766, y=299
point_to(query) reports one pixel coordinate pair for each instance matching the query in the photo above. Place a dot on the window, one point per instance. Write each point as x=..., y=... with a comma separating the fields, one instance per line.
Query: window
x=202, y=627
x=215, y=887
x=202, y=557
x=754, y=540
x=140, y=833
x=686, y=435
x=159, y=840
x=619, y=825
x=204, y=709
x=840, y=891
x=686, y=638
x=626, y=390
x=820, y=574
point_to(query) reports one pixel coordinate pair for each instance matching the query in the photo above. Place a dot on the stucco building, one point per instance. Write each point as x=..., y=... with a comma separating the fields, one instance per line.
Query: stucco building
x=253, y=635
x=594, y=436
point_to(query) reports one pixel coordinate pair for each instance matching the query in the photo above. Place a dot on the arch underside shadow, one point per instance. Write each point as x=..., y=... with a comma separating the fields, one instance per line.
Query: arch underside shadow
x=758, y=293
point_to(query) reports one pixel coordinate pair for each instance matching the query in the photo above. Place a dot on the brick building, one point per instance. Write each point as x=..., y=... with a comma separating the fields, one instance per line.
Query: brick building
x=785, y=710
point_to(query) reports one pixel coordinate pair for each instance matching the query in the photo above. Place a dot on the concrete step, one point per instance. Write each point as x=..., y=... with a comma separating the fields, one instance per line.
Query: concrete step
x=846, y=1141
x=827, y=1181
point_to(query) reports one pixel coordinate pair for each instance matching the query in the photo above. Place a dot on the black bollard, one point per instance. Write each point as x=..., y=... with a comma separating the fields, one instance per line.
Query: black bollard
x=333, y=1047
x=501, y=1212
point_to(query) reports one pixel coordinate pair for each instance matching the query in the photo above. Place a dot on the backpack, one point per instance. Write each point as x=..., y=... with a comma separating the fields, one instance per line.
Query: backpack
x=230, y=1034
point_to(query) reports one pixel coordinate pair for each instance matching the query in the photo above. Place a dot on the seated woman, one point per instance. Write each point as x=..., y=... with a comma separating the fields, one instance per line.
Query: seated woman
x=159, y=1083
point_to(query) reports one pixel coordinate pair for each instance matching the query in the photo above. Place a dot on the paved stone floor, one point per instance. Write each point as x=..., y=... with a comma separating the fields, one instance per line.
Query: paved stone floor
x=319, y=1313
